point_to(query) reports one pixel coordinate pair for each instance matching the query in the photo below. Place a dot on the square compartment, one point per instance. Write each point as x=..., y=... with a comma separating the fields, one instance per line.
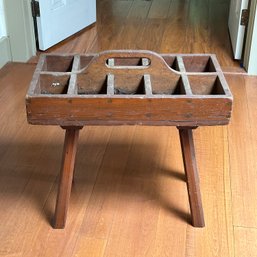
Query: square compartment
x=134, y=85
x=170, y=88
x=198, y=64
x=86, y=87
x=53, y=84
x=206, y=85
x=56, y=63
x=84, y=61
x=172, y=62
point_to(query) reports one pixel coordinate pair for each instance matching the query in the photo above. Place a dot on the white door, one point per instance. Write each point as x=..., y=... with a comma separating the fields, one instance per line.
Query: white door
x=60, y=19
x=237, y=31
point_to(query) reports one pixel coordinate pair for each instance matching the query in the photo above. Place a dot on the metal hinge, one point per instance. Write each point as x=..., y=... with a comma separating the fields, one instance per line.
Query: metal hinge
x=35, y=8
x=244, y=17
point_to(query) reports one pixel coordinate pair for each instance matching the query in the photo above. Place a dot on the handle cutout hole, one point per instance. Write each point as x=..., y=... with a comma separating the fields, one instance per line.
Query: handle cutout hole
x=128, y=62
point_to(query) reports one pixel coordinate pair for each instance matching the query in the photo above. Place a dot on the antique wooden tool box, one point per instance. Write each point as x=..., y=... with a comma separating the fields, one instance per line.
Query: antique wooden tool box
x=128, y=88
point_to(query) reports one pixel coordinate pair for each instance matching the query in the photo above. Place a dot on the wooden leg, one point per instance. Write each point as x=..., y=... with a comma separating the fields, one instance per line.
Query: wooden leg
x=193, y=187
x=66, y=176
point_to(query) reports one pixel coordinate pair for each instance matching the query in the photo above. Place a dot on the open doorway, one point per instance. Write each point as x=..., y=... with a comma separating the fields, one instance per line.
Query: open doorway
x=175, y=26
x=179, y=26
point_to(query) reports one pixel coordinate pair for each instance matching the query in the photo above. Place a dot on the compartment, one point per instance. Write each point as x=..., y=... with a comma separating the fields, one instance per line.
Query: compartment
x=53, y=84
x=87, y=86
x=198, y=64
x=134, y=85
x=84, y=61
x=206, y=85
x=56, y=63
x=128, y=61
x=172, y=62
x=168, y=87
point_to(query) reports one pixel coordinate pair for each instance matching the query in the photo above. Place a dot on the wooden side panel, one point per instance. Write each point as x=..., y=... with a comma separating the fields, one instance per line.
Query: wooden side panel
x=99, y=111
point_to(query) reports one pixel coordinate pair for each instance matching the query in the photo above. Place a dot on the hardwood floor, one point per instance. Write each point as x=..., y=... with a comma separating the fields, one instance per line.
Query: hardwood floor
x=164, y=26
x=129, y=197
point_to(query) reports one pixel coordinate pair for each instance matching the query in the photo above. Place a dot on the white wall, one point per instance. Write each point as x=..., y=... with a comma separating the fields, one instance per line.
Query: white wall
x=20, y=29
x=2, y=20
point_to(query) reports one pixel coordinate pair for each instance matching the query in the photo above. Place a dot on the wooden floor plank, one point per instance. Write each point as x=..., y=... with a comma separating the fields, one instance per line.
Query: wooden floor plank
x=198, y=27
x=110, y=26
x=216, y=239
x=28, y=185
x=139, y=10
x=172, y=197
x=246, y=239
x=135, y=192
x=243, y=143
x=27, y=195
x=90, y=155
x=175, y=33
x=129, y=197
x=142, y=232
x=90, y=247
x=102, y=204
x=177, y=26
x=159, y=9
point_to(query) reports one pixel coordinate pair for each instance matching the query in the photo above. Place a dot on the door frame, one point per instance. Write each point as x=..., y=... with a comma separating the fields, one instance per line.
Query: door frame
x=250, y=53
x=20, y=29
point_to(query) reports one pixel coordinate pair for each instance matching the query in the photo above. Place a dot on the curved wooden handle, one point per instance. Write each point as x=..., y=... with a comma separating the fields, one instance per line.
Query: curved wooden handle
x=126, y=77
x=156, y=62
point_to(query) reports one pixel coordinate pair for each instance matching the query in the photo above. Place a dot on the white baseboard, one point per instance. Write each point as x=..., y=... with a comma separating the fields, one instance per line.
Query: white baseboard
x=5, y=53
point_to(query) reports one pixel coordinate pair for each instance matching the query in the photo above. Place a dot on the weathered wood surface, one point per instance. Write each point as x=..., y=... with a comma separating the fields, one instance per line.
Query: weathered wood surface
x=128, y=87
x=81, y=111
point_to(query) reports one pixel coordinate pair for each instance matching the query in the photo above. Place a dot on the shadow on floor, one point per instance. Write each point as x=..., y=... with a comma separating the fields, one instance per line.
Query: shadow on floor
x=29, y=173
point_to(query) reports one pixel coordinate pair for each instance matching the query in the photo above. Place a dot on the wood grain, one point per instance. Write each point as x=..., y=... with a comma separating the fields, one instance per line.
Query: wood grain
x=243, y=162
x=216, y=239
x=226, y=158
x=87, y=90
x=176, y=112
x=101, y=208
x=159, y=9
x=246, y=238
x=90, y=247
x=28, y=183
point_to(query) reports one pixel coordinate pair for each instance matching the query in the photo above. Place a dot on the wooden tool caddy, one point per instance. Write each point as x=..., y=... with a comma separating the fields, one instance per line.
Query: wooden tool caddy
x=128, y=88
